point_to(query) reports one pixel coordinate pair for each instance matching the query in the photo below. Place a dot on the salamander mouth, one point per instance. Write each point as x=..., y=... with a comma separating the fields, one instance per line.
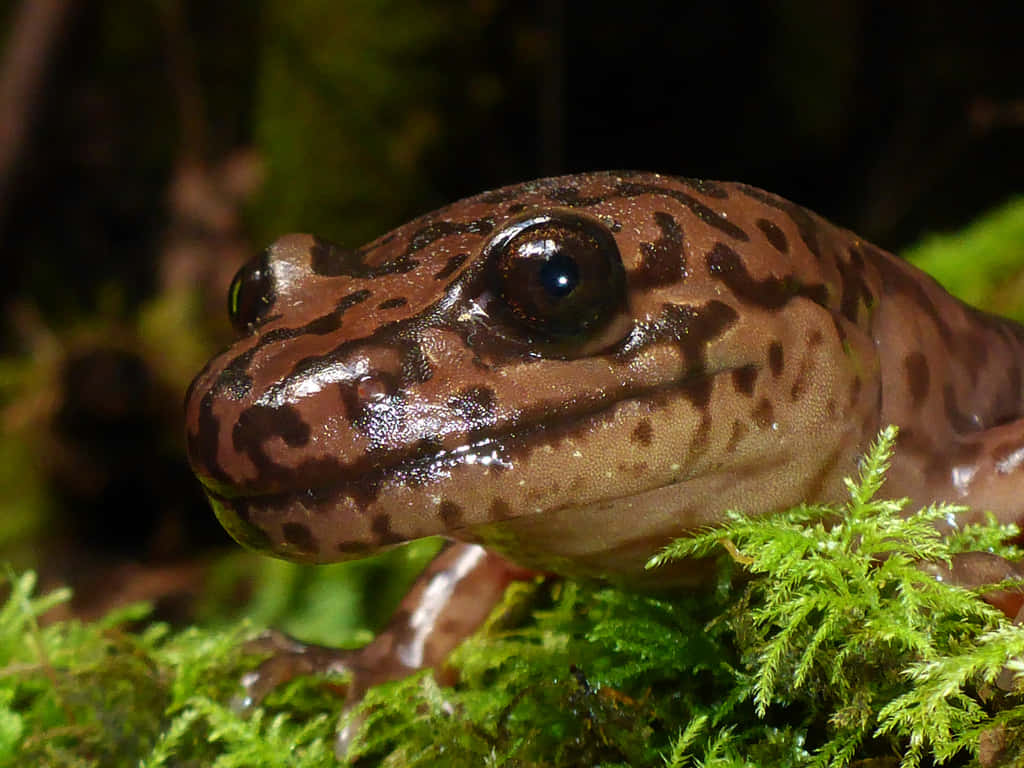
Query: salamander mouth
x=429, y=461
x=364, y=479
x=346, y=510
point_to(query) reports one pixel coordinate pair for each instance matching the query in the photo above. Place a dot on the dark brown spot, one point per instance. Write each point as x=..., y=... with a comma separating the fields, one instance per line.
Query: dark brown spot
x=693, y=328
x=916, y=369
x=630, y=469
x=800, y=381
x=321, y=326
x=257, y=424
x=838, y=324
x=424, y=468
x=570, y=196
x=203, y=444
x=726, y=265
x=739, y=429
x=663, y=262
x=971, y=349
x=854, y=289
x=398, y=301
x=381, y=527
x=515, y=208
x=764, y=414
x=705, y=214
x=502, y=195
x=643, y=433
x=697, y=391
x=776, y=359
x=701, y=438
x=234, y=373
x=743, y=379
x=299, y=536
x=500, y=510
x=453, y=263
x=807, y=225
x=774, y=235
x=855, y=388
x=450, y=512
x=330, y=260
x=857, y=261
x=431, y=233
x=707, y=188
x=897, y=281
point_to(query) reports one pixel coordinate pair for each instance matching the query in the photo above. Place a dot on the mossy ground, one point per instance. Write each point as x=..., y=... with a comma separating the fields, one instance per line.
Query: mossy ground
x=825, y=655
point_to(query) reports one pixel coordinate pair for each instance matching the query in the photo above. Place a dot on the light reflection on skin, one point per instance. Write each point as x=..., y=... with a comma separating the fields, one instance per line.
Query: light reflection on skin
x=435, y=597
x=962, y=477
x=1011, y=463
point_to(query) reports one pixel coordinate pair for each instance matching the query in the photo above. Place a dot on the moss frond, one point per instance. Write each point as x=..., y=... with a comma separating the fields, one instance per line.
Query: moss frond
x=845, y=618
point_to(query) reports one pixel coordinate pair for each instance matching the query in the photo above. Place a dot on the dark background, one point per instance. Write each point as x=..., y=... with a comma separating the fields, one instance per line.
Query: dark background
x=148, y=148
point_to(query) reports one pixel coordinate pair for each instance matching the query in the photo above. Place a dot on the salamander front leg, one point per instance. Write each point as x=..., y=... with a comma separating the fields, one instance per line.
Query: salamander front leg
x=447, y=603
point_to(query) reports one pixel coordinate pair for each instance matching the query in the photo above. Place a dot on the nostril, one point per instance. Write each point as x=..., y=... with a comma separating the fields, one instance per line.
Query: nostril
x=233, y=384
x=372, y=388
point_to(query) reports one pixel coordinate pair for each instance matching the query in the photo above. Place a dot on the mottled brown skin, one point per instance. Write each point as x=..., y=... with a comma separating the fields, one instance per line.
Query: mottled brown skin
x=386, y=393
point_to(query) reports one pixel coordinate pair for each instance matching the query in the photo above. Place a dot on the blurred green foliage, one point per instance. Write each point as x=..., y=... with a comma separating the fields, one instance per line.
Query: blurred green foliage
x=983, y=263
x=348, y=113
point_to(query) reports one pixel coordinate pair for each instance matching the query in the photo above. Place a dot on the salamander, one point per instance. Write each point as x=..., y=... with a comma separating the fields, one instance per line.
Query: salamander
x=564, y=375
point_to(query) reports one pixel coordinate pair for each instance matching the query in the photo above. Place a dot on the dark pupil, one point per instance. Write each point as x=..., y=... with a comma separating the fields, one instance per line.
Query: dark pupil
x=559, y=275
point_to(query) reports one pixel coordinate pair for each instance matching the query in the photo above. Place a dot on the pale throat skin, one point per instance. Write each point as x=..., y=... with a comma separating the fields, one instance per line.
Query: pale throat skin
x=747, y=357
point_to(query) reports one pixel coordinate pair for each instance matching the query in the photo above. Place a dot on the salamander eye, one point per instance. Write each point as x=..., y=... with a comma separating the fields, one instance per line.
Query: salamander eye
x=559, y=275
x=251, y=294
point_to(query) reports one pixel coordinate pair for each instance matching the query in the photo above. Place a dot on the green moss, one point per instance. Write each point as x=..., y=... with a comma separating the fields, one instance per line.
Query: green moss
x=830, y=654
x=74, y=694
x=583, y=681
x=843, y=624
